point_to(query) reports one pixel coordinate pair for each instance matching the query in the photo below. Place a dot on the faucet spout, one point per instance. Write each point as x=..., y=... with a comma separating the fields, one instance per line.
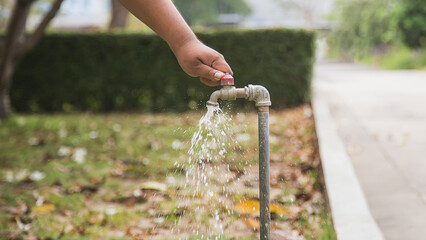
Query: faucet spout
x=213, y=98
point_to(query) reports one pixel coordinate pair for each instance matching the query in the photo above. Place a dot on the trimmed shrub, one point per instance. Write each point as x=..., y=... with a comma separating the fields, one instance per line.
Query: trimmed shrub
x=107, y=72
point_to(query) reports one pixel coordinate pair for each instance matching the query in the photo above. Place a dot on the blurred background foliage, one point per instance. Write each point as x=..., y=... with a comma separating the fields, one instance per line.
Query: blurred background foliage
x=83, y=73
x=206, y=12
x=196, y=12
x=412, y=22
x=390, y=33
x=199, y=14
x=96, y=66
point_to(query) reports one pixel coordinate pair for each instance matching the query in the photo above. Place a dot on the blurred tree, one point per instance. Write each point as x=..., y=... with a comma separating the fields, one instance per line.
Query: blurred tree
x=5, y=8
x=119, y=16
x=364, y=24
x=412, y=22
x=203, y=12
x=307, y=8
x=17, y=44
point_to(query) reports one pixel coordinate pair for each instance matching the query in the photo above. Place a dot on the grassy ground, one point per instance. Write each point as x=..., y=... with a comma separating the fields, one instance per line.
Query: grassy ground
x=84, y=176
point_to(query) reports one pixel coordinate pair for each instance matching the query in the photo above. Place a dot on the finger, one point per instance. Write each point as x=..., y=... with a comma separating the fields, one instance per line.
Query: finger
x=222, y=65
x=208, y=72
x=209, y=82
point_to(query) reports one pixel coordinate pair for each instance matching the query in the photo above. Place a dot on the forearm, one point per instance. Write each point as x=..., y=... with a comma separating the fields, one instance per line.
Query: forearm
x=195, y=58
x=162, y=17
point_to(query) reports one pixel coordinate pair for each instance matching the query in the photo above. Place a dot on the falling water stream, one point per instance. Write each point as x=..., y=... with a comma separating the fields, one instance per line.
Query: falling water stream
x=207, y=189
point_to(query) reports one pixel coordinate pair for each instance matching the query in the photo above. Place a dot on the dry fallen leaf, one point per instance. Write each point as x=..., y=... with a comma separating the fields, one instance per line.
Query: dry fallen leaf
x=279, y=209
x=154, y=186
x=137, y=233
x=119, y=169
x=252, y=223
x=294, y=210
x=44, y=208
x=131, y=200
x=248, y=206
x=97, y=218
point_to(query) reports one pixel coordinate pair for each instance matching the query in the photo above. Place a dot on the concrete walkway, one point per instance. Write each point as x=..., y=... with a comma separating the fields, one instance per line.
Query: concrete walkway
x=381, y=119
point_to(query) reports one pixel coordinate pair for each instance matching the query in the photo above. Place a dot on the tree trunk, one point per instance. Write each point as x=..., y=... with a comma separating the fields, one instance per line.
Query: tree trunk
x=14, y=39
x=5, y=109
x=119, y=15
x=16, y=45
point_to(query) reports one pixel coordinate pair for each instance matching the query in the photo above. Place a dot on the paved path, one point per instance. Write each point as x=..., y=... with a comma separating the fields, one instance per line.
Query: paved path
x=381, y=117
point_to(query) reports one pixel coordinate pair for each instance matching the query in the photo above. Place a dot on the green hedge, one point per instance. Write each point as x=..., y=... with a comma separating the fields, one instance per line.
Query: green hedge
x=106, y=72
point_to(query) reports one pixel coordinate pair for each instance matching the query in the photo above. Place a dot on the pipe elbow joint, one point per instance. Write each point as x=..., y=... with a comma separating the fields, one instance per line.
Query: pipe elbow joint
x=214, y=97
x=260, y=95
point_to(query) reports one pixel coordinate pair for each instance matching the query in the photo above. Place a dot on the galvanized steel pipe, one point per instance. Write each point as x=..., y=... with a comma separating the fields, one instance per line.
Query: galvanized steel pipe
x=265, y=213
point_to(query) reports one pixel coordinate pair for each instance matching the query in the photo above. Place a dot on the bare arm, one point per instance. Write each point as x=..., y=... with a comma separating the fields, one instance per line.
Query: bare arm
x=195, y=58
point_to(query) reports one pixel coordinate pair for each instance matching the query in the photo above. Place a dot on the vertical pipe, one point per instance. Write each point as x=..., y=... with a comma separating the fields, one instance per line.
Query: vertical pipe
x=265, y=215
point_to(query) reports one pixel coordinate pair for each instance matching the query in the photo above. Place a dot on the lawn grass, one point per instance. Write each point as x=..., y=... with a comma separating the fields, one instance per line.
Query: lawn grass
x=85, y=176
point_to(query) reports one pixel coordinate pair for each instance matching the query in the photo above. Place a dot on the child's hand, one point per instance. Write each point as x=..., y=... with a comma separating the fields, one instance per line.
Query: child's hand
x=198, y=60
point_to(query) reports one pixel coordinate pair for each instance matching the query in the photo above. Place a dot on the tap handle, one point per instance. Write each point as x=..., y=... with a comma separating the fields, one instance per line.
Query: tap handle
x=227, y=80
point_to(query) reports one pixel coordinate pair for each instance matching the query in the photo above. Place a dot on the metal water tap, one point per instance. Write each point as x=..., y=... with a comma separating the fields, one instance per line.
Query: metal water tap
x=260, y=96
x=256, y=93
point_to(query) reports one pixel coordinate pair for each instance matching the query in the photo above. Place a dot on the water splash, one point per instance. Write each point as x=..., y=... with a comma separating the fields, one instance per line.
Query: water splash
x=206, y=193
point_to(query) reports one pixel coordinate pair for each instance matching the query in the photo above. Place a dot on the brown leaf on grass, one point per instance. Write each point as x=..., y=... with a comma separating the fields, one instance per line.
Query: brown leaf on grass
x=248, y=184
x=279, y=209
x=36, y=141
x=73, y=189
x=89, y=186
x=305, y=167
x=154, y=191
x=97, y=218
x=294, y=212
x=238, y=171
x=46, y=157
x=22, y=208
x=276, y=157
x=276, y=179
x=286, y=235
x=252, y=223
x=130, y=200
x=303, y=196
x=70, y=228
x=152, y=231
x=81, y=230
x=275, y=226
x=119, y=169
x=15, y=234
x=82, y=189
x=97, y=180
x=157, y=186
x=137, y=233
x=44, y=208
